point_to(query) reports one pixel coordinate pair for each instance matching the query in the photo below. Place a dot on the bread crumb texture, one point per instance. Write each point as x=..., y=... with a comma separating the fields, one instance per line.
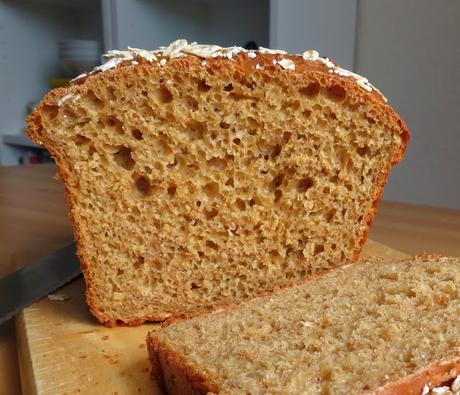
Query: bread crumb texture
x=199, y=183
x=351, y=331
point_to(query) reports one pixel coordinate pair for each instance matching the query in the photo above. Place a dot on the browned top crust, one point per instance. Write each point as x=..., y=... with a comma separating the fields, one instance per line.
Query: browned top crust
x=183, y=55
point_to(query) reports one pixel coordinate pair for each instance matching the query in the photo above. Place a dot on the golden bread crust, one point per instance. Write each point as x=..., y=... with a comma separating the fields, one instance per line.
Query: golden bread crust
x=433, y=376
x=174, y=376
x=242, y=62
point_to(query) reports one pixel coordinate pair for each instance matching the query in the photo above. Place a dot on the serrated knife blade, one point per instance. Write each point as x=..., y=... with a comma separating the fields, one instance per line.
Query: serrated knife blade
x=29, y=284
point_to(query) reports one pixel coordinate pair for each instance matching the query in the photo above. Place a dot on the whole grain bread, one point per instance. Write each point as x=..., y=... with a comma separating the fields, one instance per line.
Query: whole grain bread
x=198, y=176
x=385, y=327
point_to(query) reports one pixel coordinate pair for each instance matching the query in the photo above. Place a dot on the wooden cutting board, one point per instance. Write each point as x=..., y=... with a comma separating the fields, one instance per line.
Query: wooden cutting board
x=63, y=350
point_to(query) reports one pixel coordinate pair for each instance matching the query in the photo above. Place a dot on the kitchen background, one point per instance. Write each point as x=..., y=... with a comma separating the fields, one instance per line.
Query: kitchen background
x=409, y=49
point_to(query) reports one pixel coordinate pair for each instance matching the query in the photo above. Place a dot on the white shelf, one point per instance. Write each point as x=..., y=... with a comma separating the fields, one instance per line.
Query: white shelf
x=18, y=140
x=72, y=4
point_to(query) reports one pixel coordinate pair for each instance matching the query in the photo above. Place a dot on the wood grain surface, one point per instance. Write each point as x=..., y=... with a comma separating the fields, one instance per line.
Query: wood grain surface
x=33, y=222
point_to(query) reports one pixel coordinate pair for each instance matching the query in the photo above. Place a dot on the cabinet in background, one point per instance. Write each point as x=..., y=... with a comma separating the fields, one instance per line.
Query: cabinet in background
x=31, y=29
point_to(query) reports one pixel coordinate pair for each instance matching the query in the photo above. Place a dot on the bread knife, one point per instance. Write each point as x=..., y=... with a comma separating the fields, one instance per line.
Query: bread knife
x=29, y=284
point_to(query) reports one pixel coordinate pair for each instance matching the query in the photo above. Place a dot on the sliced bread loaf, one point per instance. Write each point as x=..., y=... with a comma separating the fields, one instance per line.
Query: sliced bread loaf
x=376, y=327
x=199, y=176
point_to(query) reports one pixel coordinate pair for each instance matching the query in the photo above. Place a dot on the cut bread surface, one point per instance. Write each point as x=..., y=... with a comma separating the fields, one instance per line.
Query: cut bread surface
x=389, y=327
x=196, y=183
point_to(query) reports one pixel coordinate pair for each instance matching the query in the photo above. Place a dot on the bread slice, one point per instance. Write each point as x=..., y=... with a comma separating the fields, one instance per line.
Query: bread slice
x=388, y=327
x=198, y=176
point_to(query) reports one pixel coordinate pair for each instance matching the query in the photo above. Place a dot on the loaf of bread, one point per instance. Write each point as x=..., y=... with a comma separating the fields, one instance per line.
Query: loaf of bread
x=388, y=327
x=198, y=176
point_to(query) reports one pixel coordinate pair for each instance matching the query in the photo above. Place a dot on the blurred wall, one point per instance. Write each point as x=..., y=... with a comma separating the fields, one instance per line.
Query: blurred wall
x=28, y=55
x=326, y=25
x=148, y=24
x=410, y=49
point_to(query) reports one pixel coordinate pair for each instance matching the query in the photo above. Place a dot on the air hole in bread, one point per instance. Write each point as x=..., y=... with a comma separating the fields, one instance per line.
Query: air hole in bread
x=372, y=121
x=115, y=123
x=163, y=95
x=137, y=134
x=286, y=137
x=393, y=276
x=218, y=163
x=240, y=204
x=123, y=158
x=69, y=114
x=362, y=151
x=143, y=186
x=254, y=124
x=50, y=111
x=334, y=179
x=319, y=248
x=291, y=105
x=211, y=189
x=157, y=165
x=336, y=93
x=304, y=184
x=329, y=216
x=110, y=93
x=311, y=90
x=146, y=109
x=177, y=78
x=139, y=262
x=196, y=130
x=278, y=180
x=228, y=88
x=278, y=195
x=211, y=244
x=94, y=100
x=224, y=125
x=276, y=151
x=191, y=102
x=237, y=141
x=83, y=122
x=203, y=86
x=172, y=188
x=81, y=140
x=237, y=96
x=230, y=182
x=210, y=214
